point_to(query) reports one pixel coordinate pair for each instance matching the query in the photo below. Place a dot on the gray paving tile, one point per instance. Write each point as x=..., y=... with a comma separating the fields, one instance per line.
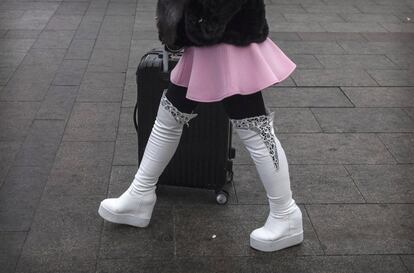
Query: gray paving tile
x=363, y=120
x=380, y=96
x=29, y=83
x=144, y=35
x=129, y=97
x=44, y=56
x=16, y=45
x=144, y=21
x=113, y=42
x=286, y=7
x=331, y=36
x=331, y=8
x=21, y=91
x=388, y=36
x=10, y=249
x=310, y=184
x=126, y=150
x=97, y=6
x=34, y=73
x=333, y=77
x=3, y=33
x=19, y=197
x=54, y=39
x=121, y=25
x=41, y=143
x=410, y=112
x=5, y=74
x=64, y=22
x=11, y=59
x=353, y=17
x=354, y=47
x=29, y=5
x=72, y=8
x=400, y=145
x=70, y=72
x=126, y=122
x=321, y=184
x=108, y=60
x=356, y=61
x=10, y=14
x=156, y=240
x=384, y=183
x=101, y=87
x=121, y=179
x=22, y=34
x=80, y=50
x=30, y=20
x=277, y=264
x=195, y=225
x=121, y=8
x=93, y=122
x=334, y=264
x=81, y=168
x=8, y=151
x=145, y=6
x=145, y=265
x=381, y=9
x=310, y=17
x=58, y=102
x=283, y=36
x=64, y=235
x=363, y=228
x=310, y=47
x=89, y=27
x=305, y=97
x=345, y=148
x=394, y=77
x=295, y=120
x=131, y=76
x=408, y=261
x=402, y=60
x=305, y=61
x=15, y=119
x=353, y=27
x=296, y=27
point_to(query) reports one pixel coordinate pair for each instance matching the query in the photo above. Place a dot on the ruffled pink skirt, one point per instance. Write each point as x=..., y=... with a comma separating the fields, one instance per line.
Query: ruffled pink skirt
x=212, y=73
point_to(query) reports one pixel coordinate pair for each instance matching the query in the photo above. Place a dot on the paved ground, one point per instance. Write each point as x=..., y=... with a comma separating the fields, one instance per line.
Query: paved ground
x=345, y=118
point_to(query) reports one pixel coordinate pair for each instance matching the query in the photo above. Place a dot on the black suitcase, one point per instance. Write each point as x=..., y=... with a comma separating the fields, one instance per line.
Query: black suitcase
x=203, y=158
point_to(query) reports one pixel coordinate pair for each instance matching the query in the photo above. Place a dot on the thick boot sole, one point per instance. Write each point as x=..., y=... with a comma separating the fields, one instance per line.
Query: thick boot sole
x=127, y=219
x=268, y=246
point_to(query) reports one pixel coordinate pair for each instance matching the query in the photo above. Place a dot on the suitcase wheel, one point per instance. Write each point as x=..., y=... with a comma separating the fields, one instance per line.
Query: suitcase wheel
x=222, y=196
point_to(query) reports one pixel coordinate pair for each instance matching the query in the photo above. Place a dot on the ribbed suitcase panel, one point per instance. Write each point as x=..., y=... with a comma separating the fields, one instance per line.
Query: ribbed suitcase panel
x=200, y=159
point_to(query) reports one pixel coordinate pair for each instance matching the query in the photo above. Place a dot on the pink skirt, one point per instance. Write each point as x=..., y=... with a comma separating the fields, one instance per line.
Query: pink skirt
x=212, y=73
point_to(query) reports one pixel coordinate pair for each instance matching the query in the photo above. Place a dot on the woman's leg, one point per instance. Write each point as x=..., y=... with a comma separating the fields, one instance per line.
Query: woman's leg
x=134, y=207
x=253, y=122
x=176, y=95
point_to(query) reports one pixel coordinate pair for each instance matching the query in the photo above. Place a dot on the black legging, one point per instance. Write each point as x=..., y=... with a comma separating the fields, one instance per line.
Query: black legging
x=236, y=106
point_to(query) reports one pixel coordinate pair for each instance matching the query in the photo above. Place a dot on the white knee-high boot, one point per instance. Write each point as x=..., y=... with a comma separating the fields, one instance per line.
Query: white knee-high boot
x=135, y=206
x=283, y=226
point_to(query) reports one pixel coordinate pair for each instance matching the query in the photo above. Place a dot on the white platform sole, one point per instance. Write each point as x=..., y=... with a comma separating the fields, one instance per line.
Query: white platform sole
x=127, y=219
x=281, y=243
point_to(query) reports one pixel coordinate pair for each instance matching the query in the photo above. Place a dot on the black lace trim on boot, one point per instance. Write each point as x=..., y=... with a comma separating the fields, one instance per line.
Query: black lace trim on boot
x=181, y=117
x=263, y=125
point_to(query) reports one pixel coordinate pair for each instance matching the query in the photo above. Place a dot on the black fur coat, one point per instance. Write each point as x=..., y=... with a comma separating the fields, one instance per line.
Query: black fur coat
x=183, y=23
